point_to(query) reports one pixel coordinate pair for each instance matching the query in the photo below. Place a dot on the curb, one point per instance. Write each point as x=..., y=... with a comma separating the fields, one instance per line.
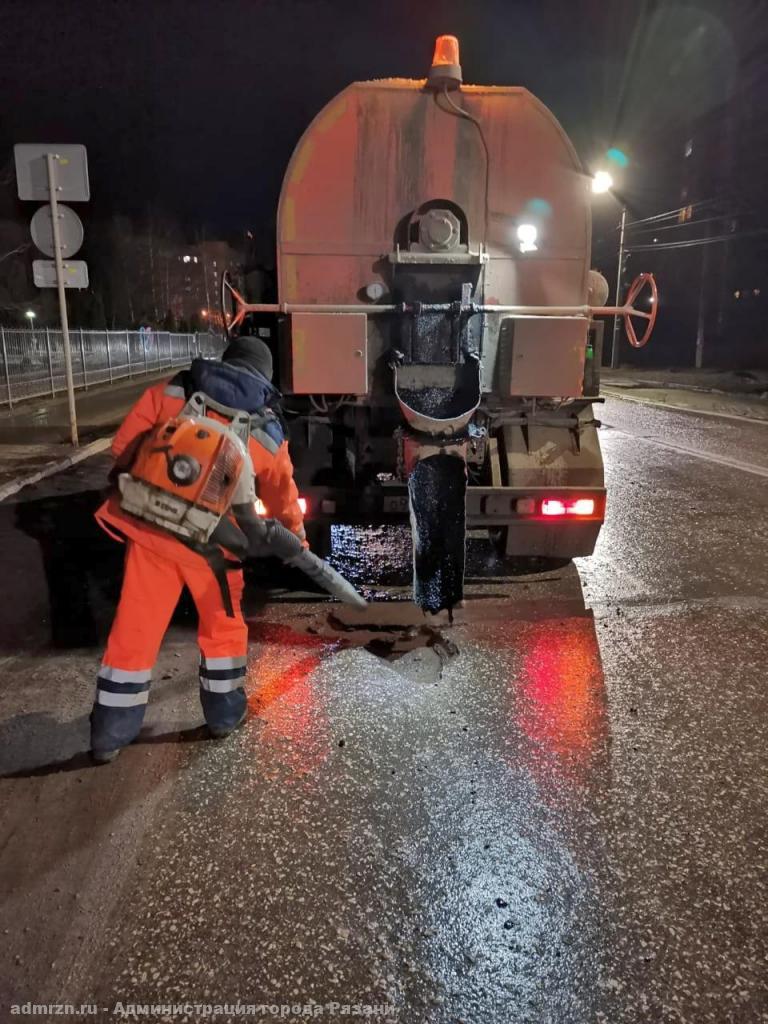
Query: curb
x=14, y=486
x=670, y=385
x=670, y=406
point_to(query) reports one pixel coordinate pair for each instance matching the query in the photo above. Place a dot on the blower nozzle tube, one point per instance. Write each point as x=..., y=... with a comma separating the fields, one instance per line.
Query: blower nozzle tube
x=271, y=535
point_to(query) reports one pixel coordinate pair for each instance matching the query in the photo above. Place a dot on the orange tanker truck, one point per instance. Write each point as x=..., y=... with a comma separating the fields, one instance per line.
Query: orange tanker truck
x=435, y=324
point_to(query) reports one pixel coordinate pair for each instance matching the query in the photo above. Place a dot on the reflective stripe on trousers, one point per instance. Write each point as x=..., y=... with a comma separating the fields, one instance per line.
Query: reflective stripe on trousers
x=122, y=688
x=222, y=675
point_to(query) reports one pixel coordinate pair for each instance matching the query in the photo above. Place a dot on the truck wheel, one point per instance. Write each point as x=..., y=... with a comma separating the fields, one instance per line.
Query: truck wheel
x=319, y=537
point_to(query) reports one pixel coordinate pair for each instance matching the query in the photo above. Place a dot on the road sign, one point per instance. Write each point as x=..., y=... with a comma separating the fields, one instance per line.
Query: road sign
x=70, y=230
x=71, y=171
x=75, y=273
x=55, y=172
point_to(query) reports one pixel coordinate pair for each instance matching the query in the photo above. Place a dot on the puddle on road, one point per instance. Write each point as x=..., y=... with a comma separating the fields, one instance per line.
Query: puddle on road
x=63, y=571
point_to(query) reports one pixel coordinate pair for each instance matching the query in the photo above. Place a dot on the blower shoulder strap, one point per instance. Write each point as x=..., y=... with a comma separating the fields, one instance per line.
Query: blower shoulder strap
x=266, y=429
x=199, y=403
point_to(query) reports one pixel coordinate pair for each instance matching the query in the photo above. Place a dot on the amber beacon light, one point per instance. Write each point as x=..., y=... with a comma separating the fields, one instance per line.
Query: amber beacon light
x=445, y=72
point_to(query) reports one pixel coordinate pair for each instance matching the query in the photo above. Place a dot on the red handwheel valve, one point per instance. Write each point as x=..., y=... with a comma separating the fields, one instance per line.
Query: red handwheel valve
x=230, y=294
x=629, y=311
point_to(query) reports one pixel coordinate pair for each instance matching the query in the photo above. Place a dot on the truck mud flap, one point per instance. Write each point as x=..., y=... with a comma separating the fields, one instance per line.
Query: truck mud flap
x=437, y=490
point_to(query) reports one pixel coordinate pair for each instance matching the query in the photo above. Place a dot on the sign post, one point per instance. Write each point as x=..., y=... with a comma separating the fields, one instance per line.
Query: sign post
x=54, y=172
x=51, y=161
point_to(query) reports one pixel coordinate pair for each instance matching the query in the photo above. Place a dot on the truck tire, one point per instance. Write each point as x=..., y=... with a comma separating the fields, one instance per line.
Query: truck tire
x=319, y=538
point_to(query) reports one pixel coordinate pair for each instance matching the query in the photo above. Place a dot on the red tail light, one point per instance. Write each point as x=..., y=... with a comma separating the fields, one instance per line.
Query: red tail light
x=552, y=507
x=561, y=507
x=578, y=507
x=261, y=508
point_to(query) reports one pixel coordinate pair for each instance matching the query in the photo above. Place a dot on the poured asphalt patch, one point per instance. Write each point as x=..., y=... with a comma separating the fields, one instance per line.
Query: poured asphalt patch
x=390, y=642
x=437, y=491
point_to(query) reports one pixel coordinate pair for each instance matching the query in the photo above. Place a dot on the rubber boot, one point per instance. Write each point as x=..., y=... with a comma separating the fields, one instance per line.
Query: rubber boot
x=224, y=712
x=112, y=729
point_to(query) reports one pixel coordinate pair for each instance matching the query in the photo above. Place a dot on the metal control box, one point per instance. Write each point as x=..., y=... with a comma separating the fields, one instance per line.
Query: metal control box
x=329, y=354
x=547, y=356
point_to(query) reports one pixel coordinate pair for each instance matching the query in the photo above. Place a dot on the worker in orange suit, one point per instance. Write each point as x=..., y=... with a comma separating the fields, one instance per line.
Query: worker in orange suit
x=158, y=565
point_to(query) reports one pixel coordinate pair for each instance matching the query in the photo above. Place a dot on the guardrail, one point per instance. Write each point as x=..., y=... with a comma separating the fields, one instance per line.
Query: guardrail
x=32, y=361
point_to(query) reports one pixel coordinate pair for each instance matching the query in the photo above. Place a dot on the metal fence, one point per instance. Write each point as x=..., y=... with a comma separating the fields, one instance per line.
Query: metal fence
x=32, y=361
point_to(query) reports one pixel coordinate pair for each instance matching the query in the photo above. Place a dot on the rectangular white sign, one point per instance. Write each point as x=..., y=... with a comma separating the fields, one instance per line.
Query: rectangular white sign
x=75, y=273
x=71, y=171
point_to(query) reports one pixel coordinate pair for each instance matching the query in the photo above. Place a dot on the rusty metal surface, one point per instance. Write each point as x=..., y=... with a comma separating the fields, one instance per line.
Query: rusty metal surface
x=380, y=149
x=548, y=357
x=329, y=354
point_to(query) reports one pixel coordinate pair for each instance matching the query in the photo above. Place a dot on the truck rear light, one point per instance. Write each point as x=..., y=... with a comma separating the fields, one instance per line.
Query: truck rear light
x=261, y=508
x=552, y=507
x=578, y=507
x=561, y=507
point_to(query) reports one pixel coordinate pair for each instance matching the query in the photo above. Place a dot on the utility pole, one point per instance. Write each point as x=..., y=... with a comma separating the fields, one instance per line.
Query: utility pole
x=702, y=307
x=51, y=162
x=616, y=335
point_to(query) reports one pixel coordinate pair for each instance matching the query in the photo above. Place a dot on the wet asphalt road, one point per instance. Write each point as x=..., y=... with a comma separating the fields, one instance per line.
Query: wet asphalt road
x=99, y=409
x=562, y=822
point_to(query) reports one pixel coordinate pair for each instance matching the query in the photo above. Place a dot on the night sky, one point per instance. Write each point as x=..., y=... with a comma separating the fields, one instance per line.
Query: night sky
x=194, y=107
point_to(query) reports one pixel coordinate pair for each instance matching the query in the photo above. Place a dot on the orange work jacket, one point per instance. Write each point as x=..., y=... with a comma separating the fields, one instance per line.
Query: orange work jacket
x=271, y=462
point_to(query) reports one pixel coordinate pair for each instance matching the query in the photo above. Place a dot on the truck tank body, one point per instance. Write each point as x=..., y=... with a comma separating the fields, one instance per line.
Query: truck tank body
x=410, y=221
x=381, y=150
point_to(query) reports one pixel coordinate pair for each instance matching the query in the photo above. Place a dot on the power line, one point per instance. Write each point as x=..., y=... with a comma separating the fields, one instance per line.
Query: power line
x=673, y=213
x=686, y=224
x=694, y=242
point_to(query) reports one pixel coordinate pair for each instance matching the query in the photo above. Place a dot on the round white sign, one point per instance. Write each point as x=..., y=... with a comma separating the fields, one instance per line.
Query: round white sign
x=70, y=230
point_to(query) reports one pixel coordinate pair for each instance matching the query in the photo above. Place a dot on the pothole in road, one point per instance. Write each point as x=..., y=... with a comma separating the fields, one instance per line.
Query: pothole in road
x=391, y=642
x=417, y=649
x=420, y=651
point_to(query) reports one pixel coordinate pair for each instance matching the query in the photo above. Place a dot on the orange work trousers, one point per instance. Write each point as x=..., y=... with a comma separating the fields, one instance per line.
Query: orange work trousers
x=152, y=585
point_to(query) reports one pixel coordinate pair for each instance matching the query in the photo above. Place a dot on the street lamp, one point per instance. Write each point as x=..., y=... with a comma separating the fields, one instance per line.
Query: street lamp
x=602, y=181
x=30, y=315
